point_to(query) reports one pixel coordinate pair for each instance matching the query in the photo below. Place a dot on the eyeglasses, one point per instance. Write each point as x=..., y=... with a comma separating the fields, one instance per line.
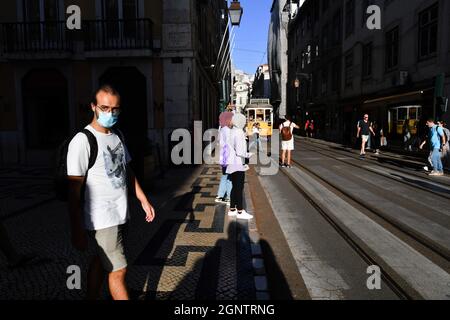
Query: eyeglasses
x=114, y=110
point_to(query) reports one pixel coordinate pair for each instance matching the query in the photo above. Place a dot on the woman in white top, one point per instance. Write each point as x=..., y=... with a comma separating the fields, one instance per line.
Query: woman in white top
x=225, y=187
x=236, y=167
x=287, y=145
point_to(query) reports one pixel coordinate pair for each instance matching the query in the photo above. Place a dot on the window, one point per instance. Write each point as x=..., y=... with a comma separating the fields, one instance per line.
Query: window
x=349, y=69
x=324, y=80
x=325, y=33
x=392, y=48
x=335, y=73
x=48, y=13
x=349, y=17
x=367, y=60
x=325, y=4
x=428, y=31
x=309, y=54
x=316, y=10
x=337, y=26
x=41, y=10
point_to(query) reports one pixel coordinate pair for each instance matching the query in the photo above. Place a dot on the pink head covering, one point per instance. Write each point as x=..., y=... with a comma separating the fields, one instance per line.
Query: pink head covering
x=225, y=119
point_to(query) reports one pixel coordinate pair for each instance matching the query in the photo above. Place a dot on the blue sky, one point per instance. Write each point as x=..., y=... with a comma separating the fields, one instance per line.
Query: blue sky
x=251, y=37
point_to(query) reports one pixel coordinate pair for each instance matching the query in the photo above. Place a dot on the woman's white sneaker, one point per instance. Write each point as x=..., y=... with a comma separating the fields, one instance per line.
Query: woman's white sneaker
x=232, y=213
x=244, y=215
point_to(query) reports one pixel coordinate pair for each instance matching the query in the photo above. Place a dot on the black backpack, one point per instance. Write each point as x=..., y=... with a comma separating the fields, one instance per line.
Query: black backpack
x=61, y=183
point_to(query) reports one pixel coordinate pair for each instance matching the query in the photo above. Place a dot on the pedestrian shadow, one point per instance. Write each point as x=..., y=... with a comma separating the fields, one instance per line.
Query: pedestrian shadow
x=224, y=272
x=278, y=285
x=157, y=253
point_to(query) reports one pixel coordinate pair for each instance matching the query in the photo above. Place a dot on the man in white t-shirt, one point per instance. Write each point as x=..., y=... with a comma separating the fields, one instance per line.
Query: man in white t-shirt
x=104, y=210
x=287, y=145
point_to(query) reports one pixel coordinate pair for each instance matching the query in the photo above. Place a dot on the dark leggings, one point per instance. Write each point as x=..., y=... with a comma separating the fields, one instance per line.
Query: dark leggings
x=237, y=193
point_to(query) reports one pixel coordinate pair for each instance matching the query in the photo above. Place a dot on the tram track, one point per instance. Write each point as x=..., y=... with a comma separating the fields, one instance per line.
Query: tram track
x=323, y=152
x=394, y=285
x=399, y=287
x=409, y=231
x=348, y=152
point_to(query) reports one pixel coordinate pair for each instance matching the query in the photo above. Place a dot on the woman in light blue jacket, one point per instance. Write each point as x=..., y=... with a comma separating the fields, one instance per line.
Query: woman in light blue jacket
x=225, y=187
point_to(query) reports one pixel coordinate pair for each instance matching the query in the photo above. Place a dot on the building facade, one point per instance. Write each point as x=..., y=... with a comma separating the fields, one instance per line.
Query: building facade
x=277, y=54
x=157, y=54
x=242, y=86
x=262, y=83
x=398, y=74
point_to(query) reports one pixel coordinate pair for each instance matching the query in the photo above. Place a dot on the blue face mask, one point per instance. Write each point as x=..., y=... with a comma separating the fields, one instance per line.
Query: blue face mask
x=107, y=119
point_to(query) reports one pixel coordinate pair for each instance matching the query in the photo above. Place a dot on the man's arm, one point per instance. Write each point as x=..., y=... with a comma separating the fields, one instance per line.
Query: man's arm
x=78, y=233
x=140, y=195
x=422, y=144
x=359, y=131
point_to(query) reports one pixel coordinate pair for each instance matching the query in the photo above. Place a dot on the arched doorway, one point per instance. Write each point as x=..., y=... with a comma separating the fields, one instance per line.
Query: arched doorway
x=45, y=110
x=132, y=86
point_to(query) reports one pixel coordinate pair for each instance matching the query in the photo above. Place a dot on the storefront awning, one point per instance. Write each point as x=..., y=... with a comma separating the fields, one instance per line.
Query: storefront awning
x=399, y=97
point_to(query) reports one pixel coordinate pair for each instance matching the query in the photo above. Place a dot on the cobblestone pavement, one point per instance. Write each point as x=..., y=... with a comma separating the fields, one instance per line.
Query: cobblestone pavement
x=192, y=250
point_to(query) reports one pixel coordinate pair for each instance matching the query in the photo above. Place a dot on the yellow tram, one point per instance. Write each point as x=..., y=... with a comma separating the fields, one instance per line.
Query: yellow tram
x=259, y=111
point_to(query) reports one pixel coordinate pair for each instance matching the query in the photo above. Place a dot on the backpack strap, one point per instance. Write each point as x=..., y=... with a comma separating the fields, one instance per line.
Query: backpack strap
x=93, y=147
x=120, y=135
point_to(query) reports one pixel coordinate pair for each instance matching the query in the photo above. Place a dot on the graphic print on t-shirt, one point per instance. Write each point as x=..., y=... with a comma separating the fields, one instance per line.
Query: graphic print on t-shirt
x=115, y=165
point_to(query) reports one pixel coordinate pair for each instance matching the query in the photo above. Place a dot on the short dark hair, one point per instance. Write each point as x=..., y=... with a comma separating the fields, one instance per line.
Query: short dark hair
x=287, y=117
x=107, y=88
x=430, y=120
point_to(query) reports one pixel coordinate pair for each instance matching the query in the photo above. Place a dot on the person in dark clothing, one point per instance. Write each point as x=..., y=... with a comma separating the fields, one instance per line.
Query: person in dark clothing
x=375, y=140
x=364, y=129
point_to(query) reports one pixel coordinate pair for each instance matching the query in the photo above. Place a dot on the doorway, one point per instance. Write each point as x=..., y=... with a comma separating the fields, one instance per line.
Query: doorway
x=45, y=113
x=132, y=87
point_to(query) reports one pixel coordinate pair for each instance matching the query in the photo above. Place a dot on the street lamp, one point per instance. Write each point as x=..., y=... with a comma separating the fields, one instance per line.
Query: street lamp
x=236, y=12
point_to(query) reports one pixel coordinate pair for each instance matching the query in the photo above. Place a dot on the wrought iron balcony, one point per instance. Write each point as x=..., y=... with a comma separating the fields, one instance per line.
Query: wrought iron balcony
x=96, y=35
x=29, y=37
x=118, y=34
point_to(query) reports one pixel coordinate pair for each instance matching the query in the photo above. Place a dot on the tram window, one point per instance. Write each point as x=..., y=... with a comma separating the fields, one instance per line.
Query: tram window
x=267, y=115
x=402, y=114
x=259, y=115
x=413, y=113
x=251, y=115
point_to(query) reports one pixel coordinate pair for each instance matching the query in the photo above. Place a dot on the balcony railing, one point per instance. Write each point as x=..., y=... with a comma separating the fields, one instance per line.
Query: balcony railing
x=118, y=34
x=35, y=37
x=54, y=37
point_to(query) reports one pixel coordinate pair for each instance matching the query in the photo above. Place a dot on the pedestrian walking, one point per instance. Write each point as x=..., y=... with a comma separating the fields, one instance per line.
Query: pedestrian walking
x=98, y=191
x=437, y=141
x=256, y=137
x=287, y=143
x=236, y=167
x=445, y=156
x=309, y=128
x=376, y=141
x=225, y=186
x=364, y=129
x=407, y=136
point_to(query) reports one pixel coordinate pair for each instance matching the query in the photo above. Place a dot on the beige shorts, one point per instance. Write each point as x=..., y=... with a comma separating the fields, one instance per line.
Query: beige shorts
x=365, y=138
x=110, y=247
x=287, y=145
